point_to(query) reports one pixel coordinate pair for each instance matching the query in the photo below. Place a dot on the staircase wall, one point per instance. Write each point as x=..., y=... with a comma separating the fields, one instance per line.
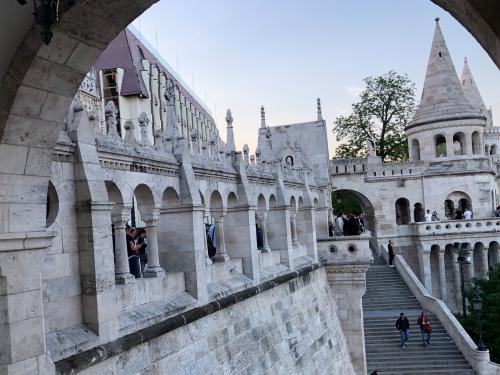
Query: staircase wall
x=292, y=328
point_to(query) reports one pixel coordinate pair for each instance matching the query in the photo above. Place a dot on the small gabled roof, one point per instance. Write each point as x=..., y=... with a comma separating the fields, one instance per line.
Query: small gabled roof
x=126, y=51
x=442, y=96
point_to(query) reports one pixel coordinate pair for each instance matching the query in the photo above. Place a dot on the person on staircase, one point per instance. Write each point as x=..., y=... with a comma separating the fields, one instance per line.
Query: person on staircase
x=403, y=325
x=425, y=328
x=390, y=249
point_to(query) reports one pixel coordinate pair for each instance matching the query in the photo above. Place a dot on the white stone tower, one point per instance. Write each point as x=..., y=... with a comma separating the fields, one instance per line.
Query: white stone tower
x=446, y=125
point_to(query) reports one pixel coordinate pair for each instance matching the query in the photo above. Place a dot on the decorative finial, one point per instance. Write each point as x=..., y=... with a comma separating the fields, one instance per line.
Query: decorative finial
x=229, y=118
x=245, y=149
x=262, y=117
x=436, y=19
x=320, y=115
x=465, y=60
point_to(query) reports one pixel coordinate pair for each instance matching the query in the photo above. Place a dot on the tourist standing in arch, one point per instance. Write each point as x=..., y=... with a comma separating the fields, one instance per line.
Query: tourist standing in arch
x=428, y=216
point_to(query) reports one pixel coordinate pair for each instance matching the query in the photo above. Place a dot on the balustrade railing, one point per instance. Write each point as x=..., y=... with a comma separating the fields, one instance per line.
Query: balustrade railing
x=456, y=226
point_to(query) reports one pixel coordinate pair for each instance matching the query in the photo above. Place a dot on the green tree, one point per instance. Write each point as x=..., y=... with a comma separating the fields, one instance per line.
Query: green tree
x=489, y=290
x=345, y=202
x=385, y=107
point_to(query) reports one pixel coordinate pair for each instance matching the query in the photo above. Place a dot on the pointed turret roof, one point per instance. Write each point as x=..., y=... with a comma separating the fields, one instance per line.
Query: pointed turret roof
x=442, y=96
x=471, y=91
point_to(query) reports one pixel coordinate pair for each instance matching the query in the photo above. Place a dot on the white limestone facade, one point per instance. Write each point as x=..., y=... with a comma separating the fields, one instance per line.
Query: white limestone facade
x=451, y=169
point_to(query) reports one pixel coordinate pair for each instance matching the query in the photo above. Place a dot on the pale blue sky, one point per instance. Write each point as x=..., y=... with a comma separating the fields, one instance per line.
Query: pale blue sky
x=283, y=54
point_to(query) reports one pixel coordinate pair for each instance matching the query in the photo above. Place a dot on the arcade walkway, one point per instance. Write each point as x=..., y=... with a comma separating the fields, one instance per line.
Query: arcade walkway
x=386, y=297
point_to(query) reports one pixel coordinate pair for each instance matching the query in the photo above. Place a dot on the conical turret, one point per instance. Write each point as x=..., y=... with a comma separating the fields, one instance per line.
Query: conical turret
x=471, y=91
x=442, y=96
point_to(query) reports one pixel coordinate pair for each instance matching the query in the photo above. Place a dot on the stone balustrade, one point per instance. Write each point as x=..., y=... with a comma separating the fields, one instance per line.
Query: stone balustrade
x=454, y=227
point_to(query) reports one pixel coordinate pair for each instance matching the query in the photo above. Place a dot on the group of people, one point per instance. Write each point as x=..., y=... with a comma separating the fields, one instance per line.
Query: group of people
x=136, y=250
x=346, y=225
x=459, y=215
x=403, y=326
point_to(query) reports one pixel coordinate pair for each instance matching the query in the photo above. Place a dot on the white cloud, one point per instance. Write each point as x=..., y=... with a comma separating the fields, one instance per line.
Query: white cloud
x=354, y=90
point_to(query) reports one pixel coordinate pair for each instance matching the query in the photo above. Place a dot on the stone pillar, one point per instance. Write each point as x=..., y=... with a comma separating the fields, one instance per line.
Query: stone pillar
x=424, y=260
x=22, y=333
x=449, y=146
x=182, y=246
x=262, y=217
x=153, y=269
x=306, y=228
x=279, y=234
x=293, y=226
x=97, y=274
x=241, y=239
x=442, y=277
x=469, y=271
x=484, y=261
x=220, y=255
x=467, y=147
x=348, y=284
x=122, y=269
x=457, y=281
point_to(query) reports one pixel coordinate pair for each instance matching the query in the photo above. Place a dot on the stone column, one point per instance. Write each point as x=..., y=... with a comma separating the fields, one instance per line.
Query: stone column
x=241, y=238
x=262, y=218
x=456, y=279
x=442, y=277
x=279, y=234
x=467, y=147
x=449, y=146
x=348, y=284
x=424, y=260
x=122, y=269
x=484, y=261
x=293, y=226
x=153, y=269
x=469, y=270
x=220, y=255
x=22, y=333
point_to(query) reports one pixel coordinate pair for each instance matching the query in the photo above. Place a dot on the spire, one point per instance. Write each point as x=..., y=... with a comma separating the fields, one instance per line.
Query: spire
x=230, y=146
x=442, y=95
x=262, y=117
x=471, y=91
x=320, y=115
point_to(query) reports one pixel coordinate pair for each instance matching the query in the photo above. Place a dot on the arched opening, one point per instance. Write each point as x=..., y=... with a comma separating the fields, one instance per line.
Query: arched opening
x=459, y=144
x=171, y=198
x=418, y=213
x=449, y=209
x=440, y=146
x=346, y=201
x=476, y=143
x=52, y=205
x=402, y=209
x=493, y=255
x=456, y=204
x=493, y=150
x=415, y=149
x=232, y=200
x=479, y=258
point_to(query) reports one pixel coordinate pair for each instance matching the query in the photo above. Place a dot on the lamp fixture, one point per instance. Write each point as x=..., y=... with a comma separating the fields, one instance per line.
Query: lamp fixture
x=46, y=13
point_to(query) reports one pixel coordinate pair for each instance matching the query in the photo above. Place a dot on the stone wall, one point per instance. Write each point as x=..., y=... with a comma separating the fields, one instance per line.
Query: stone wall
x=292, y=328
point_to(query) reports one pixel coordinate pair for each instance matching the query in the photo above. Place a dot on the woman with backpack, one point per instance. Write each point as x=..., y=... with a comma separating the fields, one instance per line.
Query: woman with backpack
x=425, y=328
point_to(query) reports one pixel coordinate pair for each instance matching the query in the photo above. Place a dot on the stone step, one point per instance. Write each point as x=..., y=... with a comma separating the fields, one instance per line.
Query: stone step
x=386, y=291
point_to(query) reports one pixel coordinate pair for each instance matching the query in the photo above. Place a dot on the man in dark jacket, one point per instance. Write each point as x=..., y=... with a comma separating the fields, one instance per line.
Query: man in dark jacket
x=403, y=325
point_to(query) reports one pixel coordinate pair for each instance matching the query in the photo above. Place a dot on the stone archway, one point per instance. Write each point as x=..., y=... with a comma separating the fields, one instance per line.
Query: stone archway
x=366, y=206
x=40, y=82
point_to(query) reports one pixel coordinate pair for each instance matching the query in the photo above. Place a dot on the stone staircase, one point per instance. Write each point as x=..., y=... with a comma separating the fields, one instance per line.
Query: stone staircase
x=386, y=297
